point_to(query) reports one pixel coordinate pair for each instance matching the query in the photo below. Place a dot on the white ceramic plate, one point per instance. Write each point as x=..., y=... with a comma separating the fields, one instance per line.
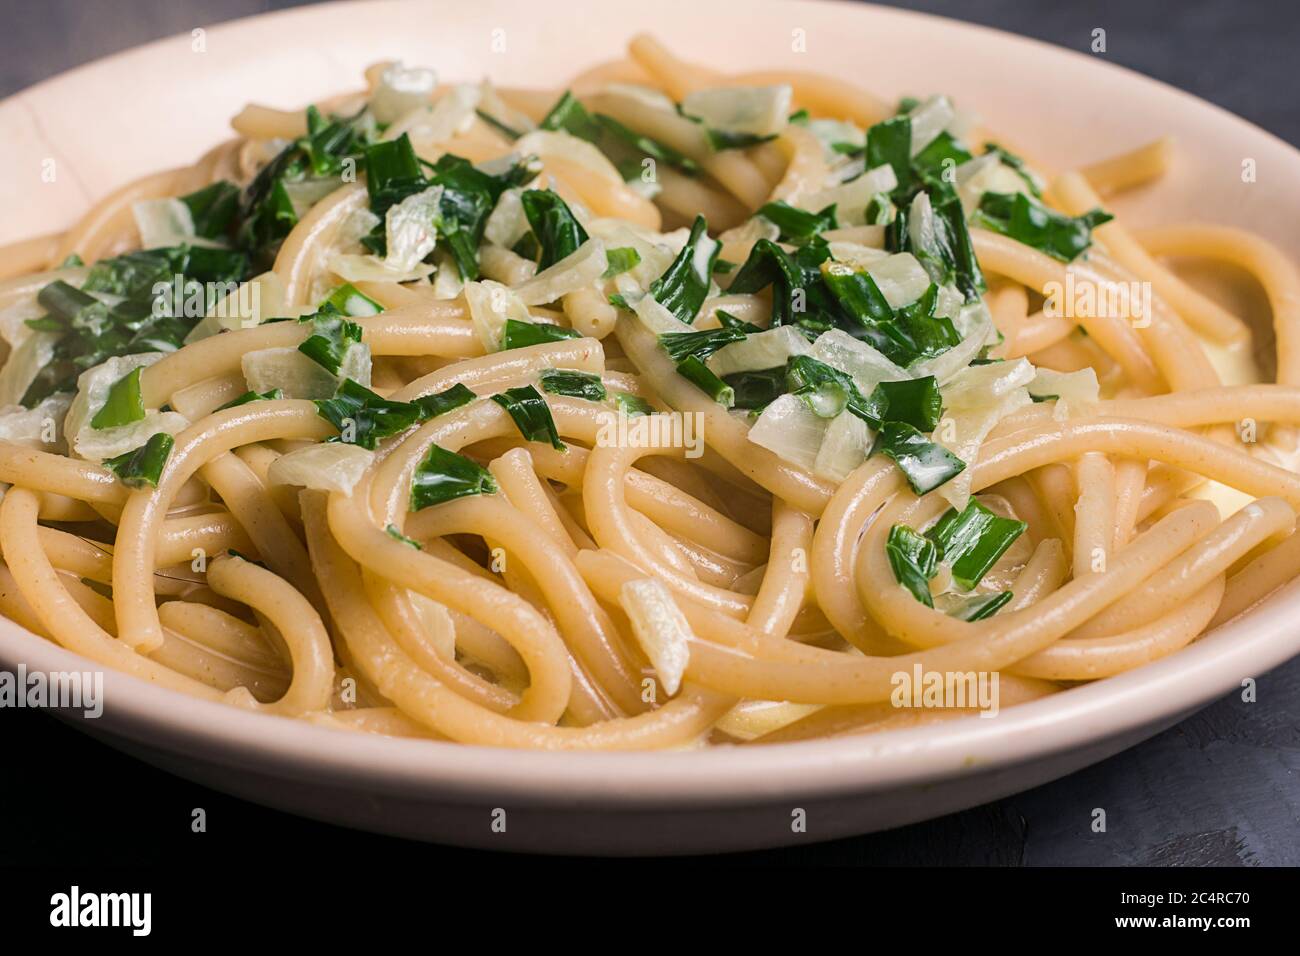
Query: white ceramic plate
x=163, y=104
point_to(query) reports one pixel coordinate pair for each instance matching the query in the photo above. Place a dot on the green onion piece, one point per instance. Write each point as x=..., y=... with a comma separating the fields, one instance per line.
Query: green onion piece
x=798, y=225
x=1009, y=158
x=431, y=406
x=332, y=336
x=509, y=132
x=925, y=464
x=243, y=557
x=693, y=369
x=917, y=402
x=1030, y=222
x=755, y=390
x=213, y=208
x=890, y=143
x=348, y=300
x=520, y=335
x=701, y=344
x=124, y=404
x=979, y=607
x=684, y=285
x=569, y=115
x=557, y=230
x=362, y=417
x=940, y=150
x=730, y=321
x=443, y=475
x=531, y=414
x=971, y=542
x=632, y=405
x=620, y=260
x=395, y=533
x=574, y=384
x=913, y=559
x=273, y=395
x=143, y=466
x=393, y=172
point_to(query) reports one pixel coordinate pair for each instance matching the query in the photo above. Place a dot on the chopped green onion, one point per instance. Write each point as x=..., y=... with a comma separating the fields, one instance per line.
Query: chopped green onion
x=693, y=369
x=557, y=230
x=684, y=285
x=573, y=384
x=144, y=465
x=798, y=225
x=362, y=417
x=213, y=208
x=332, y=336
x=916, y=401
x=440, y=403
x=913, y=560
x=890, y=143
x=925, y=464
x=519, y=335
x=273, y=395
x=971, y=542
x=980, y=606
x=531, y=414
x=701, y=344
x=756, y=390
x=124, y=404
x=632, y=405
x=395, y=533
x=1030, y=222
x=349, y=301
x=569, y=115
x=620, y=260
x=443, y=475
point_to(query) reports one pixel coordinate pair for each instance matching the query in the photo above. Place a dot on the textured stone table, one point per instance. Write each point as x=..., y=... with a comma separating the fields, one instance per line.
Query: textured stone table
x=1221, y=788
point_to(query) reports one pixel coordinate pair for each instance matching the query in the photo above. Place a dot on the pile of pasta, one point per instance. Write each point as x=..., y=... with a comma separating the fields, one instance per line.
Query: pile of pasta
x=379, y=497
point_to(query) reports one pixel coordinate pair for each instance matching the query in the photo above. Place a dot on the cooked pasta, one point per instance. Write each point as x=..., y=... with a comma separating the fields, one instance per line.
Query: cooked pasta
x=673, y=409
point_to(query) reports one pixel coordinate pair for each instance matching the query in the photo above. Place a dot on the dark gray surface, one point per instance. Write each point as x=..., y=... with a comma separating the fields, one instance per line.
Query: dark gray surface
x=1222, y=788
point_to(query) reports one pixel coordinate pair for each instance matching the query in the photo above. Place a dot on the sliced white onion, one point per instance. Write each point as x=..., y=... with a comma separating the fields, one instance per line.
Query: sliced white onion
x=790, y=430
x=979, y=386
x=410, y=231
x=579, y=270
x=844, y=447
x=851, y=198
x=929, y=120
x=660, y=628
x=24, y=364
x=328, y=466
x=507, y=224
x=97, y=444
x=351, y=267
x=402, y=90
x=758, y=351
x=864, y=364
x=490, y=305
x=947, y=364
x=751, y=110
x=1077, y=392
x=963, y=432
x=162, y=222
x=33, y=426
x=901, y=279
x=93, y=386
x=255, y=301
x=292, y=372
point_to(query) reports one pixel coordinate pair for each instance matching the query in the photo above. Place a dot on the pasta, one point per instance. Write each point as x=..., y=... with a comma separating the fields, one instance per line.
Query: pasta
x=674, y=409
